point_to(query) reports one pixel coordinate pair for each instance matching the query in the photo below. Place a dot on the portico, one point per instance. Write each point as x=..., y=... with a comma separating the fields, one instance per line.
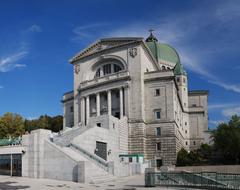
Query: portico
x=108, y=102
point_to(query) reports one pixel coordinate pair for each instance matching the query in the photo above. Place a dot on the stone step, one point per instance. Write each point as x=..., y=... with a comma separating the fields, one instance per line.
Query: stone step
x=102, y=179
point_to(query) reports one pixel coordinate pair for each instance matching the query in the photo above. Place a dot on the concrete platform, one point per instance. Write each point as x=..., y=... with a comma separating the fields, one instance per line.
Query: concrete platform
x=126, y=183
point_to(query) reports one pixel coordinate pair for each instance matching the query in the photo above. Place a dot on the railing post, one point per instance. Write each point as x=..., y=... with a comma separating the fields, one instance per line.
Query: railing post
x=150, y=179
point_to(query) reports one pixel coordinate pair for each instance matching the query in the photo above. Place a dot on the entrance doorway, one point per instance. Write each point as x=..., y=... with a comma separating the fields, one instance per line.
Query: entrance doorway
x=158, y=163
x=101, y=149
x=11, y=164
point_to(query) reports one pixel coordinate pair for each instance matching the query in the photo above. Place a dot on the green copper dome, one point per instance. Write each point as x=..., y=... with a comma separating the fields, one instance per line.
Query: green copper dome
x=162, y=51
x=165, y=52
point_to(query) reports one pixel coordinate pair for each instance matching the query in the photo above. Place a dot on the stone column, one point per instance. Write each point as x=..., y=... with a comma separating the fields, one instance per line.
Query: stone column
x=87, y=110
x=109, y=98
x=121, y=102
x=98, y=104
x=83, y=111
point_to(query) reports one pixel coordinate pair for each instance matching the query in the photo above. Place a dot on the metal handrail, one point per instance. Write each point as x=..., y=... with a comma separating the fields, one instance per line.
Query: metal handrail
x=93, y=157
x=206, y=180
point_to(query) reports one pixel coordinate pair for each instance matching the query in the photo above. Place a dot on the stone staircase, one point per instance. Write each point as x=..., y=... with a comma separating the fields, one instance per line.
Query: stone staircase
x=67, y=136
x=92, y=157
x=98, y=170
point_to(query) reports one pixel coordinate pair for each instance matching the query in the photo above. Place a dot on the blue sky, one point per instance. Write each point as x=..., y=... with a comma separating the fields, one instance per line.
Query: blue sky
x=39, y=37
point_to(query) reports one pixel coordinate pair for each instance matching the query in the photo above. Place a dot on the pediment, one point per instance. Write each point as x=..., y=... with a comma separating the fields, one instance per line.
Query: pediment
x=102, y=45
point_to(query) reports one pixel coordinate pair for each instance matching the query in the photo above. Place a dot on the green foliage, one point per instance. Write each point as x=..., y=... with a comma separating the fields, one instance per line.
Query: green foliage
x=11, y=125
x=182, y=158
x=227, y=140
x=200, y=156
x=45, y=122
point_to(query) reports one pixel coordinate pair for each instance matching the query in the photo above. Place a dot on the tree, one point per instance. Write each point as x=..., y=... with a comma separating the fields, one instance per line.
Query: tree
x=11, y=125
x=45, y=122
x=183, y=158
x=227, y=140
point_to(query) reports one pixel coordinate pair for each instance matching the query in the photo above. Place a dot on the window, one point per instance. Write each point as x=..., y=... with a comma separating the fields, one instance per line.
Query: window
x=158, y=131
x=158, y=114
x=130, y=159
x=163, y=68
x=97, y=73
x=157, y=92
x=194, y=105
x=186, y=131
x=158, y=146
x=159, y=163
x=186, y=143
x=185, y=104
x=184, y=80
x=71, y=109
x=178, y=79
x=116, y=68
x=122, y=159
x=106, y=69
x=194, y=143
x=185, y=123
x=99, y=124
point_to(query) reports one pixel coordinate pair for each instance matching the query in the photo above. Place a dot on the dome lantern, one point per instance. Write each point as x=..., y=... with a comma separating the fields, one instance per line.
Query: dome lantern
x=151, y=37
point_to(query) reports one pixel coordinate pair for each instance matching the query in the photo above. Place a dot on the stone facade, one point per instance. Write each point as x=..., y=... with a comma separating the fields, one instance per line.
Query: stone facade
x=127, y=79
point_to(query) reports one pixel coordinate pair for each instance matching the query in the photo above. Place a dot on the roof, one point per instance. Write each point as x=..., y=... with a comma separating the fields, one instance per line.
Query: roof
x=162, y=51
x=198, y=92
x=104, y=44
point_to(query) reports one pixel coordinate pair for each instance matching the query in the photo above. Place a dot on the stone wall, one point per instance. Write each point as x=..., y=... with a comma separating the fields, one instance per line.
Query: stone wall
x=43, y=159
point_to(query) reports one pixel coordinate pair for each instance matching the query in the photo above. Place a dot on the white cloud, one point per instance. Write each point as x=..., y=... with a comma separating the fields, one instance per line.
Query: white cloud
x=232, y=87
x=217, y=106
x=227, y=11
x=231, y=111
x=11, y=62
x=216, y=122
x=34, y=28
x=87, y=31
x=179, y=29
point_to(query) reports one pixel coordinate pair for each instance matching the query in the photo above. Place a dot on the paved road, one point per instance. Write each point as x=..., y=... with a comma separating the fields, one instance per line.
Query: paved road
x=127, y=183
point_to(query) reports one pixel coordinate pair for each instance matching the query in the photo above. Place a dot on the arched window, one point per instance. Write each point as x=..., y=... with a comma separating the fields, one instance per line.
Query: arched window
x=163, y=68
x=109, y=68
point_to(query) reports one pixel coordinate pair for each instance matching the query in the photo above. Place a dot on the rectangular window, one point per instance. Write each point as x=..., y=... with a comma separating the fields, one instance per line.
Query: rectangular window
x=159, y=163
x=158, y=146
x=71, y=109
x=130, y=159
x=178, y=79
x=184, y=80
x=158, y=131
x=106, y=69
x=99, y=124
x=157, y=92
x=158, y=114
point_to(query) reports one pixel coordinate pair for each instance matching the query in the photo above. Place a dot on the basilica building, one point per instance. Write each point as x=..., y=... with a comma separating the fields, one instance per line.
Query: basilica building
x=130, y=111
x=131, y=95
